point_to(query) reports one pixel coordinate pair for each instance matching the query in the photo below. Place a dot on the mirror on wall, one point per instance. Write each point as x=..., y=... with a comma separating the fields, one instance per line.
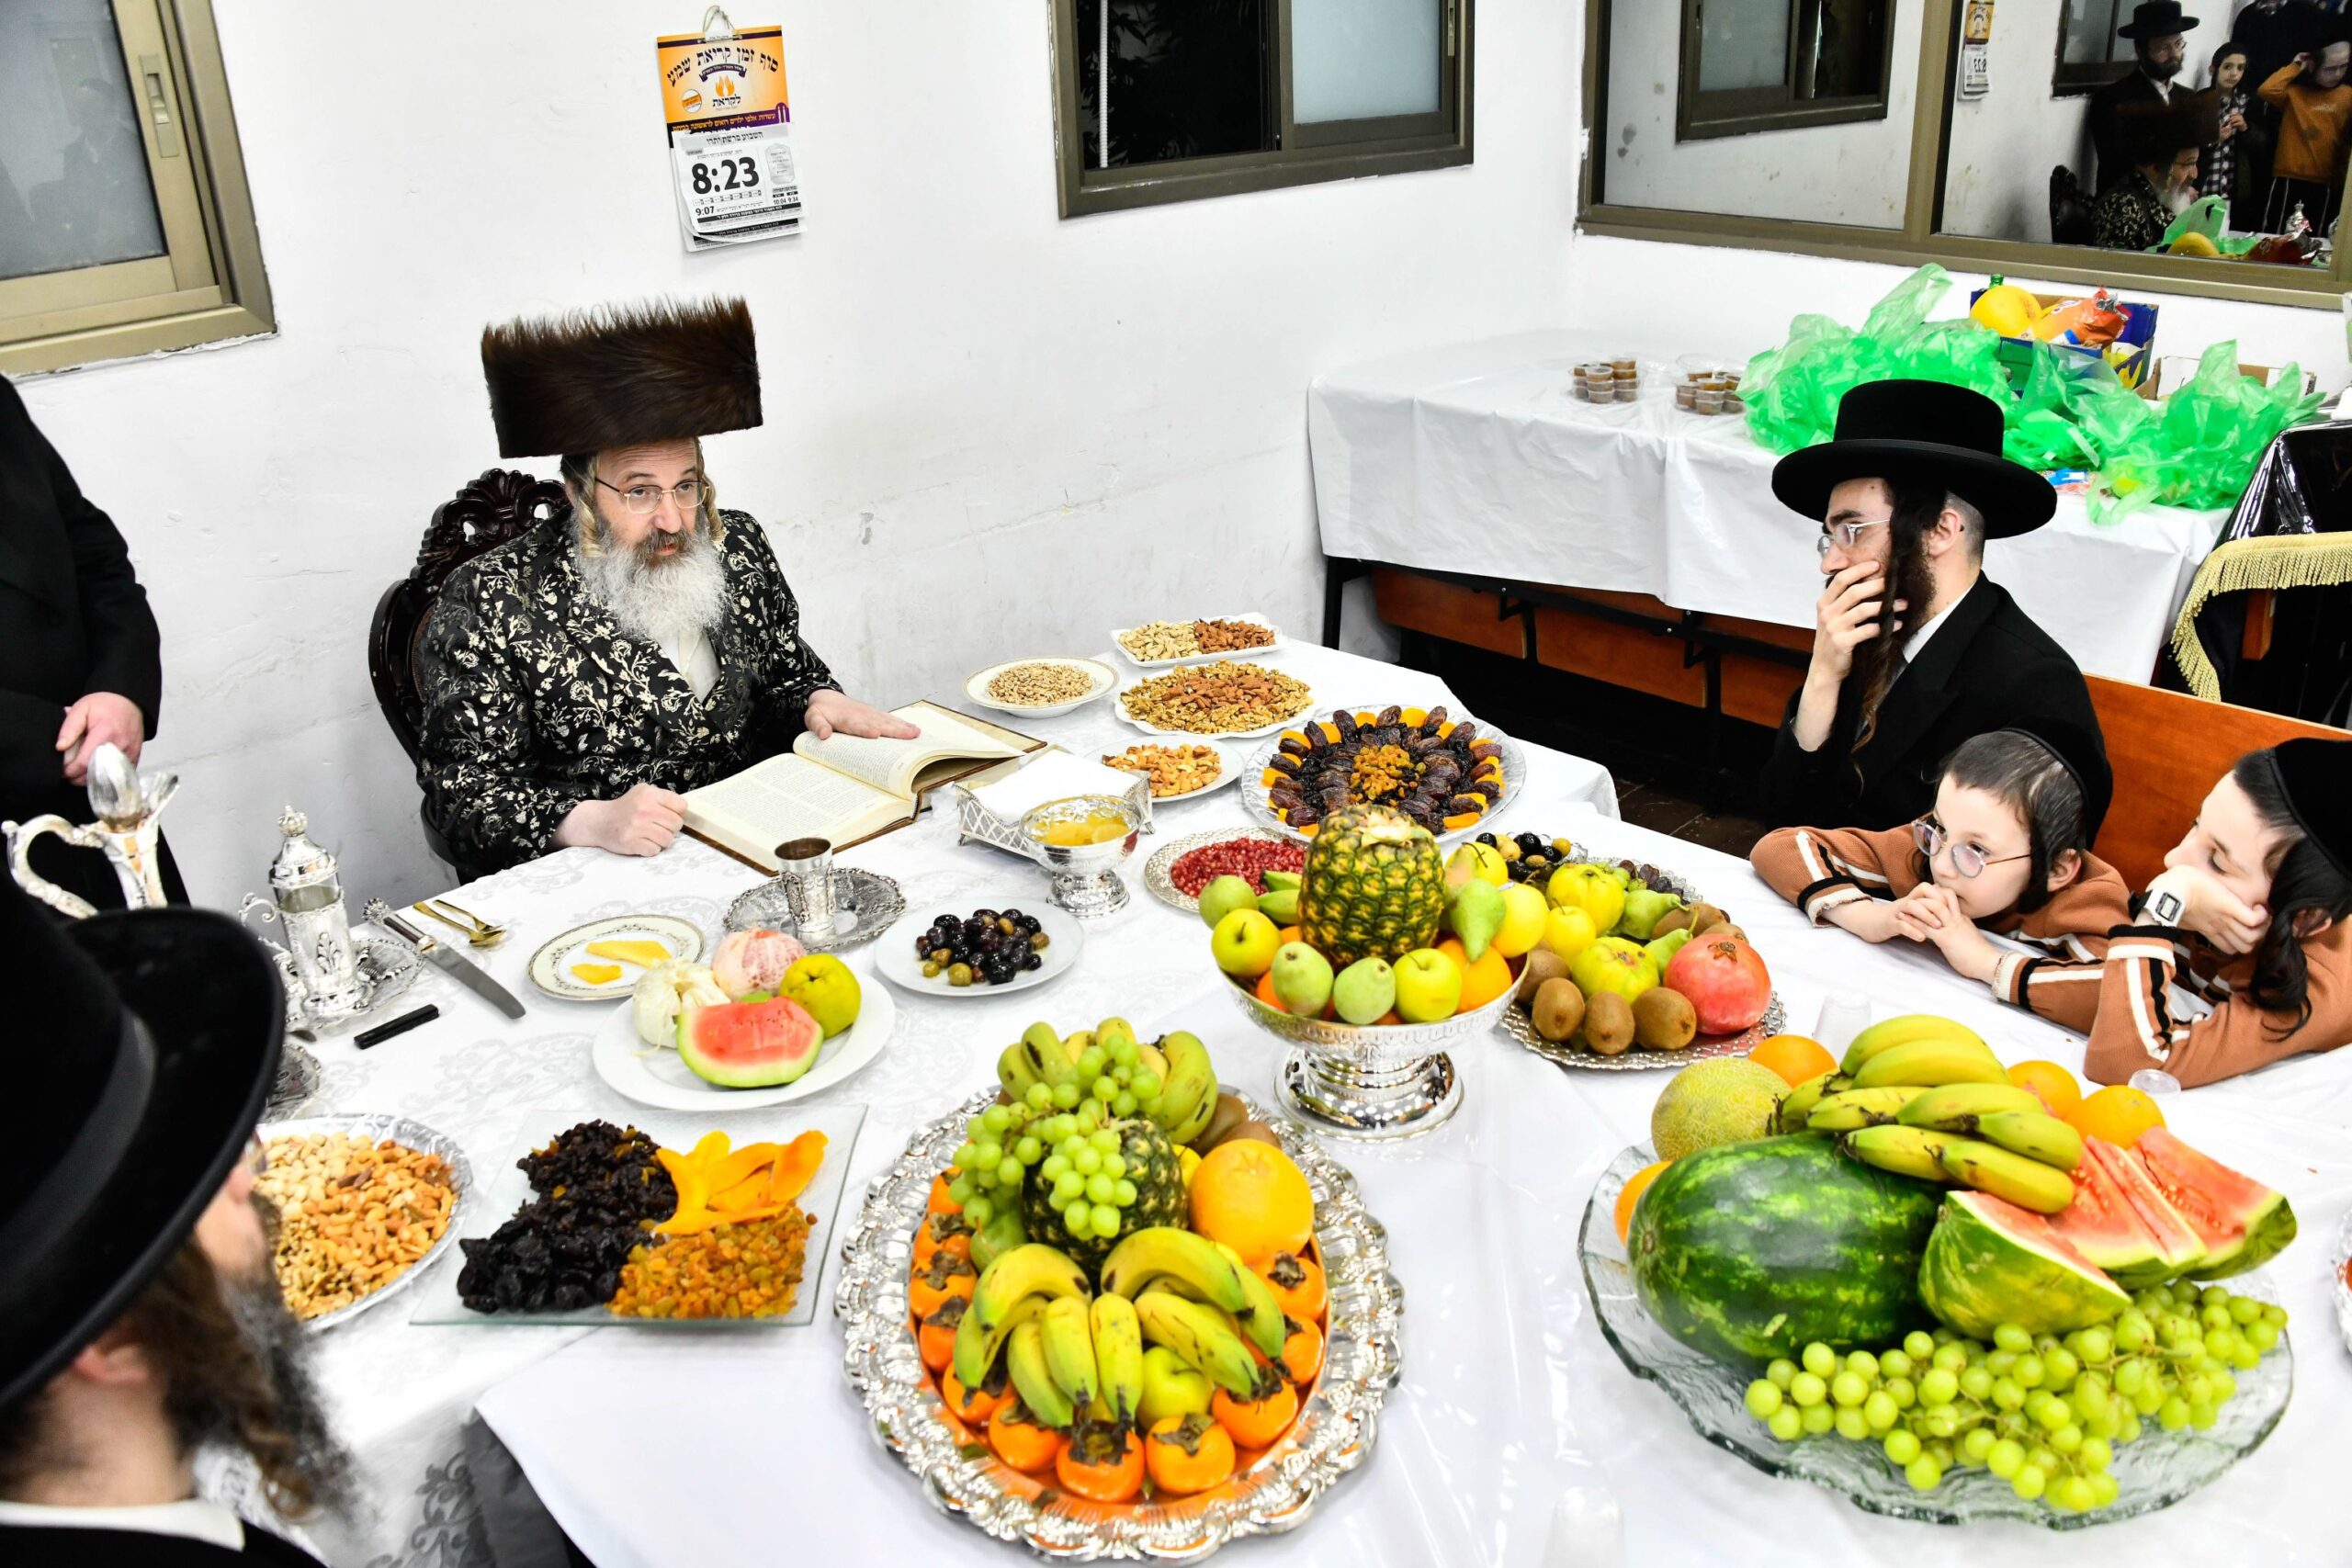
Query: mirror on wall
x=2197, y=127
x=1791, y=109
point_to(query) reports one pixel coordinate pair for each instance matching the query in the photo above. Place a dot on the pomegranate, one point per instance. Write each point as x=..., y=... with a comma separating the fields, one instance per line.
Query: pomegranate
x=1725, y=981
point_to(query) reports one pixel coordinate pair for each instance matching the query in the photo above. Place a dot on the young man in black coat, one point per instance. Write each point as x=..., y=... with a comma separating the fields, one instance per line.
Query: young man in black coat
x=1915, y=650
x=79, y=653
x=2158, y=54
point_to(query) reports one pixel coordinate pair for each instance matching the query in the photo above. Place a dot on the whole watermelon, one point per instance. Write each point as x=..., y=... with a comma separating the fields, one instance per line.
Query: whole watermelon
x=1747, y=1251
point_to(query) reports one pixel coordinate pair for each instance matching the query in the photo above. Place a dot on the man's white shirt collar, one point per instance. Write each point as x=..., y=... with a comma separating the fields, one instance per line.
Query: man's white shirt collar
x=195, y=1518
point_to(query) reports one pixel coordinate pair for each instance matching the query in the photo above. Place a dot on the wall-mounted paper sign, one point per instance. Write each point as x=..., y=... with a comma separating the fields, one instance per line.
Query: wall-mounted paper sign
x=729, y=121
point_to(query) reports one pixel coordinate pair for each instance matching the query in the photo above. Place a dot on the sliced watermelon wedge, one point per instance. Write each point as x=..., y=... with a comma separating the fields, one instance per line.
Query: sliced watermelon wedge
x=1989, y=1262
x=2242, y=1223
x=2119, y=1220
x=750, y=1044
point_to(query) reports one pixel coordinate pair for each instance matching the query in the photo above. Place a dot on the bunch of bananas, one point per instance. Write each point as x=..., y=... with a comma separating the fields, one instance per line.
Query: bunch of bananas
x=1171, y=1080
x=1071, y=1354
x=1924, y=1097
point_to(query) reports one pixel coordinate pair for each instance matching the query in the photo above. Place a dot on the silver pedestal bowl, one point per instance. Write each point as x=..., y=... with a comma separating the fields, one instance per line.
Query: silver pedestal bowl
x=1382, y=1081
x=1085, y=876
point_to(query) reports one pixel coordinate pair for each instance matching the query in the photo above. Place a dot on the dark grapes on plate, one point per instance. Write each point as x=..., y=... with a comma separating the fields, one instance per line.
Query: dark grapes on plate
x=989, y=947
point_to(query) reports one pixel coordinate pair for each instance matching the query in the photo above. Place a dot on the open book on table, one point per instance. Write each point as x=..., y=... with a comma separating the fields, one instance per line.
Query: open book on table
x=846, y=788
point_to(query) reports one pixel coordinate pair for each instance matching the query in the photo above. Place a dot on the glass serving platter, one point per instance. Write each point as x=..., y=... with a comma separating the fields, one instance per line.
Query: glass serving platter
x=2153, y=1472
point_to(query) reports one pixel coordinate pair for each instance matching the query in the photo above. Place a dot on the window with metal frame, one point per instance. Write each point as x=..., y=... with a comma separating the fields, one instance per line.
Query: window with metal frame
x=2090, y=56
x=1751, y=66
x=125, y=224
x=1176, y=100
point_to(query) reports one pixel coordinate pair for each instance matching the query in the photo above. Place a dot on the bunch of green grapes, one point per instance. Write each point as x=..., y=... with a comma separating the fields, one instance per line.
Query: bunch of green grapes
x=1005, y=1142
x=999, y=1148
x=2044, y=1413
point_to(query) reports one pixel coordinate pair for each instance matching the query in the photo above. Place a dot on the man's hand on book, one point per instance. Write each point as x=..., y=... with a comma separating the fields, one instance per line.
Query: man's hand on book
x=642, y=822
x=830, y=711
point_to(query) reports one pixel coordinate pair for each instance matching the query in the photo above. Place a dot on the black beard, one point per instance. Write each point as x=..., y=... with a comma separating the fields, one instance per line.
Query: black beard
x=1912, y=581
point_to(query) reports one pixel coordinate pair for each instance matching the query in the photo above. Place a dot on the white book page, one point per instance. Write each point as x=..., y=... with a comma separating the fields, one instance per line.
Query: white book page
x=785, y=797
x=893, y=766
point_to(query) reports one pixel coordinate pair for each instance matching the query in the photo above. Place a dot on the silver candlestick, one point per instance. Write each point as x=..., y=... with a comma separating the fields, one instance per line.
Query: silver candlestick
x=129, y=805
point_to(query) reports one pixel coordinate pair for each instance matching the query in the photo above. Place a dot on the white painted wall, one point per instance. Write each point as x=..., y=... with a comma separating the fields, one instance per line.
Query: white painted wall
x=1824, y=174
x=990, y=432
x=1996, y=179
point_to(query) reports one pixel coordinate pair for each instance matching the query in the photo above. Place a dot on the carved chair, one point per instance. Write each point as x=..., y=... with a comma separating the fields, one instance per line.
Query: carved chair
x=2071, y=220
x=502, y=504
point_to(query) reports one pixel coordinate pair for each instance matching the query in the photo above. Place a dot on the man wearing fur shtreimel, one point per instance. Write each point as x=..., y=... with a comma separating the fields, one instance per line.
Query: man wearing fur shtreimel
x=578, y=679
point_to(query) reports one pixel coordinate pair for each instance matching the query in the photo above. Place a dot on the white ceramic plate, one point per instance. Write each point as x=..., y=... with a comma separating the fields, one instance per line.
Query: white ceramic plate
x=1228, y=769
x=895, y=957
x=551, y=965
x=1275, y=646
x=1306, y=710
x=659, y=1077
x=1101, y=676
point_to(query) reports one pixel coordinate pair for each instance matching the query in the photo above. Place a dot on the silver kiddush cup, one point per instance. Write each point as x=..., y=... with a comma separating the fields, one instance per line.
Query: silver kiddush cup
x=806, y=867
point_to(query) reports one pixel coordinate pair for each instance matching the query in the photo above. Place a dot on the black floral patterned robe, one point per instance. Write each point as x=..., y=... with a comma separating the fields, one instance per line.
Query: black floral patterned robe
x=534, y=699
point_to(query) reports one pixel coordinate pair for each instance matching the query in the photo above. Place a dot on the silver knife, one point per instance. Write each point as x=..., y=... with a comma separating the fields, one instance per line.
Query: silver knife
x=464, y=971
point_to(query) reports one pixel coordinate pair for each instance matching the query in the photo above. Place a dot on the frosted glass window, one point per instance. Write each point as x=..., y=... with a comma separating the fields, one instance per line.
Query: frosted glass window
x=1746, y=44
x=1362, y=58
x=75, y=190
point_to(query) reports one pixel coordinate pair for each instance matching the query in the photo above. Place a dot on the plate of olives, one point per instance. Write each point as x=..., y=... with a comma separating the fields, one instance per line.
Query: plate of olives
x=1528, y=857
x=945, y=952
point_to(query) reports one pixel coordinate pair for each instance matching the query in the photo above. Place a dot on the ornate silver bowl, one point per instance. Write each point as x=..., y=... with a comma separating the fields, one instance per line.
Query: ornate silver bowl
x=1380, y=1081
x=1085, y=876
x=1336, y=1430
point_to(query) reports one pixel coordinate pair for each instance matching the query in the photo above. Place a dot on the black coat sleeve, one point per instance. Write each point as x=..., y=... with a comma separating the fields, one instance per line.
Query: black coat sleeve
x=1797, y=784
x=126, y=649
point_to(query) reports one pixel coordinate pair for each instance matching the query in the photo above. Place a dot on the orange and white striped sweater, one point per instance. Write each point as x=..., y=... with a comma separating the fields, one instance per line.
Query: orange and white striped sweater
x=1819, y=868
x=2170, y=1001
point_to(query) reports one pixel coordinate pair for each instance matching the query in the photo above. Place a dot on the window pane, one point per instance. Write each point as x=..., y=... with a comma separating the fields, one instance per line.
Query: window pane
x=1187, y=79
x=75, y=190
x=1743, y=43
x=2087, y=32
x=1358, y=59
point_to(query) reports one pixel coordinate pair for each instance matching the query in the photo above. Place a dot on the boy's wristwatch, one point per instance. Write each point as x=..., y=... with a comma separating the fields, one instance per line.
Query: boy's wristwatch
x=2166, y=907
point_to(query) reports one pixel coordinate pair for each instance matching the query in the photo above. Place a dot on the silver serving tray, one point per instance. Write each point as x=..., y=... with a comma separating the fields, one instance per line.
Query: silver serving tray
x=975, y=823
x=1335, y=1432
x=385, y=969
x=1253, y=791
x=1156, y=869
x=1521, y=1028
x=871, y=900
x=377, y=1126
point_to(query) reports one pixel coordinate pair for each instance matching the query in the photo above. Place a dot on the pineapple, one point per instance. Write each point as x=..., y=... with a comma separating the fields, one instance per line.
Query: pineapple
x=1374, y=887
x=1150, y=1163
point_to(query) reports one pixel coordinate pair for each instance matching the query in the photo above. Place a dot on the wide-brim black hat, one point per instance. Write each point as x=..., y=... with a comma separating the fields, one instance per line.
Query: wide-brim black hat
x=2317, y=776
x=1928, y=432
x=125, y=1114
x=2081, y=752
x=2156, y=19
x=621, y=376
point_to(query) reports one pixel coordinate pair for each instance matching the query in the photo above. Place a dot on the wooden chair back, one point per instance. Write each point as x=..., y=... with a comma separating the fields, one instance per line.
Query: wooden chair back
x=2167, y=749
x=502, y=504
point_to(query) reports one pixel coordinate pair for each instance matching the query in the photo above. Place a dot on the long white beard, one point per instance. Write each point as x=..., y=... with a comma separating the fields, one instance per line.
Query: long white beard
x=661, y=601
x=2176, y=198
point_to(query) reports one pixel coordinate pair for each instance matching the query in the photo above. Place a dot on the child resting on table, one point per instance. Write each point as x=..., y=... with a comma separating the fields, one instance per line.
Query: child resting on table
x=2245, y=924
x=2006, y=849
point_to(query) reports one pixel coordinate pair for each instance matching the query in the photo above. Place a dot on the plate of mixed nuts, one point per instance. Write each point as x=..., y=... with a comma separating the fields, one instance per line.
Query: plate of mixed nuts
x=1225, y=700
x=1178, y=770
x=1163, y=645
x=365, y=1204
x=1040, y=688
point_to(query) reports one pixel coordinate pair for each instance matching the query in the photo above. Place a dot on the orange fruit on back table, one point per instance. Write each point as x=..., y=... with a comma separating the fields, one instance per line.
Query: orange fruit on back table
x=1795, y=1058
x=2053, y=1082
x=1483, y=981
x=2118, y=1113
x=1249, y=1196
x=1636, y=1185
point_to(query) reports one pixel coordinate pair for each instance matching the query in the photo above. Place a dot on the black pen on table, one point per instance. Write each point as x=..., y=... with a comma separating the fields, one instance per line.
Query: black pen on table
x=399, y=1025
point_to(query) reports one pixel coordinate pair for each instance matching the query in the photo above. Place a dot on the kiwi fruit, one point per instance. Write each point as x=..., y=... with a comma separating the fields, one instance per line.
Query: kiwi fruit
x=1542, y=964
x=1727, y=929
x=1253, y=1132
x=1559, y=1008
x=1704, y=916
x=1609, y=1023
x=1674, y=920
x=1663, y=1019
x=1223, y=1121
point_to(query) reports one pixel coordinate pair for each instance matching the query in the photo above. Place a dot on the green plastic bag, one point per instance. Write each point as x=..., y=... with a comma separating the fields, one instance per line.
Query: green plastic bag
x=2201, y=446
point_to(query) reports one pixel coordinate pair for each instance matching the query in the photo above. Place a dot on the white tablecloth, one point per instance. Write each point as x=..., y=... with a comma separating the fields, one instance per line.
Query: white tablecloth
x=402, y=1392
x=1478, y=458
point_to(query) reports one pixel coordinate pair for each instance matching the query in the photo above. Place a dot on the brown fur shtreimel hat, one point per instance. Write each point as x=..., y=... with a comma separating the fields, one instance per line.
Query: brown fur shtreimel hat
x=621, y=376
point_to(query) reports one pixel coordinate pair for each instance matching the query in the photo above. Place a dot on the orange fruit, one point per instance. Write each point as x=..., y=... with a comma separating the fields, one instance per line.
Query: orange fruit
x=1636, y=1185
x=2118, y=1113
x=1482, y=982
x=2053, y=1082
x=1288, y=934
x=1264, y=991
x=1249, y=1196
x=1795, y=1057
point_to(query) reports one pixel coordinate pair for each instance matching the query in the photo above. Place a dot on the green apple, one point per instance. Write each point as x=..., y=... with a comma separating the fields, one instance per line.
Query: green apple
x=1569, y=931
x=1645, y=907
x=1525, y=915
x=1245, y=943
x=1476, y=915
x=1365, y=991
x=1280, y=904
x=1302, y=979
x=1612, y=964
x=1591, y=889
x=1428, y=986
x=1170, y=1388
x=1224, y=895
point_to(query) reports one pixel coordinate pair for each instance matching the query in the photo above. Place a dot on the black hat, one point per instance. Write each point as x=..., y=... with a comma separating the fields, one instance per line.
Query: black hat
x=2081, y=752
x=1919, y=429
x=2156, y=19
x=2317, y=776
x=621, y=376
x=127, y=1112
